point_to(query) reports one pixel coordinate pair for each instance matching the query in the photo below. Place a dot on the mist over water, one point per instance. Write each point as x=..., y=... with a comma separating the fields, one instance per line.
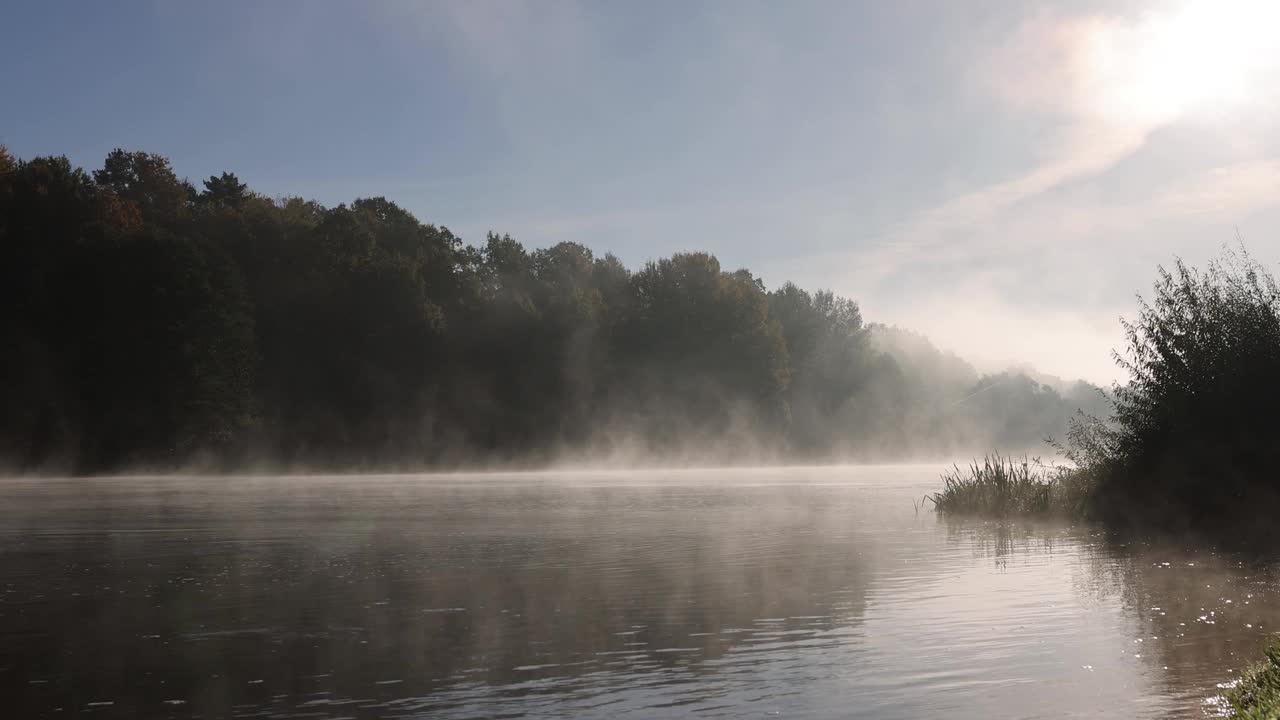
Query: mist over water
x=803, y=592
x=463, y=360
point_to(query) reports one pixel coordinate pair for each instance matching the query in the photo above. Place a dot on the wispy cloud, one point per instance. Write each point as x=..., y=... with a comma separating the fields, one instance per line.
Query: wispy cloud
x=1070, y=68
x=1110, y=82
x=1091, y=99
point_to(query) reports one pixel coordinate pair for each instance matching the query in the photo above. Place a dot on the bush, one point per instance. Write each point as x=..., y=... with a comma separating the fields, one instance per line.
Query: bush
x=1191, y=443
x=1257, y=695
x=1193, y=435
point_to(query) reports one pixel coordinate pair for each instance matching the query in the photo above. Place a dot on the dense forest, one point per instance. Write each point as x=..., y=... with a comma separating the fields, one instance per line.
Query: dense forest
x=148, y=323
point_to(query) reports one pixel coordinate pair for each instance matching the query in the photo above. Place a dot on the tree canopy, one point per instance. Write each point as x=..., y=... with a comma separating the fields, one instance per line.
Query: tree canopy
x=149, y=324
x=1193, y=434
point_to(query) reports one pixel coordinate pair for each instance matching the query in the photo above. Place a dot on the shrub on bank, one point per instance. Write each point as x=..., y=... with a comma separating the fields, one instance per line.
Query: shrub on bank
x=1195, y=428
x=1257, y=695
x=1192, y=441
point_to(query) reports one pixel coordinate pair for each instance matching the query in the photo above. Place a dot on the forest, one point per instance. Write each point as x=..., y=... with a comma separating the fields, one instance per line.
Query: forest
x=152, y=324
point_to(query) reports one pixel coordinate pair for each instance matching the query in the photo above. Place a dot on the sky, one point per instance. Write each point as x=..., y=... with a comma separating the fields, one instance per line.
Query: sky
x=1001, y=175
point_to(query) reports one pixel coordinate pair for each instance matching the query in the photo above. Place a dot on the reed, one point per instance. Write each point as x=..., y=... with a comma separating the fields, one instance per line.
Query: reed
x=1003, y=485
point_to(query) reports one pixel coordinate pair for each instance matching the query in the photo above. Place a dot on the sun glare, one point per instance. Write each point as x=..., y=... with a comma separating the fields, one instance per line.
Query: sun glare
x=1204, y=54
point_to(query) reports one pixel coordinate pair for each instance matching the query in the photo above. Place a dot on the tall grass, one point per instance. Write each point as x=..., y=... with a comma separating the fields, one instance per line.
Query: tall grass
x=1000, y=485
x=1257, y=695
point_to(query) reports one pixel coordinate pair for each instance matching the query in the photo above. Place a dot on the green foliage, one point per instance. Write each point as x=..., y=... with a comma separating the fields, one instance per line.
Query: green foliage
x=1256, y=696
x=707, y=326
x=1005, y=486
x=146, y=181
x=131, y=345
x=225, y=189
x=832, y=368
x=163, y=352
x=1190, y=440
x=1193, y=435
x=148, y=324
x=697, y=356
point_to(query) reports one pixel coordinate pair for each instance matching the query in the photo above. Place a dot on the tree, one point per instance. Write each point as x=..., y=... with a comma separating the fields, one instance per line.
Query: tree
x=148, y=182
x=705, y=357
x=831, y=363
x=225, y=189
x=164, y=355
x=147, y=324
x=1194, y=429
x=47, y=216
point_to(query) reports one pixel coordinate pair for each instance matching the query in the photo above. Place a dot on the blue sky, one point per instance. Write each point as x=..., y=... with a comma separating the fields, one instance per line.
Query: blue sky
x=1002, y=175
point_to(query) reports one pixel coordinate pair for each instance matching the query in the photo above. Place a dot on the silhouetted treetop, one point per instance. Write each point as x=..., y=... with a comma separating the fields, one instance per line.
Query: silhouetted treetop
x=225, y=189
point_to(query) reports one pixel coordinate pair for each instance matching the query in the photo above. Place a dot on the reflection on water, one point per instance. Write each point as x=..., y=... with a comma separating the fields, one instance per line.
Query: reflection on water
x=799, y=592
x=1206, y=615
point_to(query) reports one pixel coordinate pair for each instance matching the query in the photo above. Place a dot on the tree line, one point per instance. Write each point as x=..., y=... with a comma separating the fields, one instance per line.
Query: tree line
x=150, y=323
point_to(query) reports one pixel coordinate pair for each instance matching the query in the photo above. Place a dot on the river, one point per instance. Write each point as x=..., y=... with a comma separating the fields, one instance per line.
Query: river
x=781, y=592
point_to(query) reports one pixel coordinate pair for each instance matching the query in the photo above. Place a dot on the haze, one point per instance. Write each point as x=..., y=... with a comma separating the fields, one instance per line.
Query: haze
x=466, y=359
x=1001, y=176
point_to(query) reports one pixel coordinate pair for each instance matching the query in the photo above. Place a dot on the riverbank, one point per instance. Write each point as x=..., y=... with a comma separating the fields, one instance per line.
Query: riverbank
x=1257, y=695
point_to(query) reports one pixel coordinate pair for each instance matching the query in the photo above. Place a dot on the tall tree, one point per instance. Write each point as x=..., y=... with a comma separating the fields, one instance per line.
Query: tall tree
x=147, y=181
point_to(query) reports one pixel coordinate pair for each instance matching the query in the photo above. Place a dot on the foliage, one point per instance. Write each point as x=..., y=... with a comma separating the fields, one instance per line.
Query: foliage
x=1190, y=440
x=1256, y=696
x=147, y=181
x=1193, y=435
x=225, y=189
x=831, y=365
x=148, y=324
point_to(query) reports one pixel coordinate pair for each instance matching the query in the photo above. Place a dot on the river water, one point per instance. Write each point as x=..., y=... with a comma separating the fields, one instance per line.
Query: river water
x=797, y=593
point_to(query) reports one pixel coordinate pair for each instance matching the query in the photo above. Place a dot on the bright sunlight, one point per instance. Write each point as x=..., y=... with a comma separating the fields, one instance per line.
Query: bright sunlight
x=1206, y=54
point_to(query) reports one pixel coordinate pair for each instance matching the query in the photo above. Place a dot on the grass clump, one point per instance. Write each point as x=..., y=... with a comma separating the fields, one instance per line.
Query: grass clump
x=1001, y=485
x=1257, y=695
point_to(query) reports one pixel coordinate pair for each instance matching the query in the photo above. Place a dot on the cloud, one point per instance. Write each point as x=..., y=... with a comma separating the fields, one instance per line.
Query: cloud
x=1039, y=266
x=1038, y=263
x=1111, y=82
x=1068, y=267
x=1070, y=69
x=1236, y=189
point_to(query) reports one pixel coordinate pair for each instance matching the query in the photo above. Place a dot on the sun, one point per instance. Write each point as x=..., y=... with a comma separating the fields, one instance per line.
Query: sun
x=1199, y=55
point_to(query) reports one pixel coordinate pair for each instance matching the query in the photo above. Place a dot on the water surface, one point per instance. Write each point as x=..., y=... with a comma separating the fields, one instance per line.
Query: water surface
x=810, y=592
